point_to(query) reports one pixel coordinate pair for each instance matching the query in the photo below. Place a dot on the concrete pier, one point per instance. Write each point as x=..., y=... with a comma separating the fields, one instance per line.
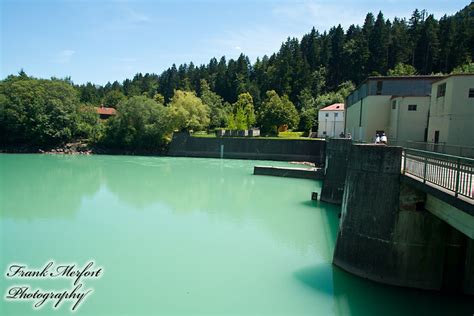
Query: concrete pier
x=288, y=172
x=387, y=236
x=337, y=155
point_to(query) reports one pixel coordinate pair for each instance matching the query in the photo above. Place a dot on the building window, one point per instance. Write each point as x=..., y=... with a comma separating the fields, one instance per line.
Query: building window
x=336, y=114
x=327, y=114
x=394, y=105
x=324, y=133
x=379, y=87
x=441, y=90
x=411, y=107
x=471, y=93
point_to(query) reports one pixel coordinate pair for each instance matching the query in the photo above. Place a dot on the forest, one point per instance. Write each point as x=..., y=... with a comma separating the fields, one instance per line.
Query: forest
x=288, y=87
x=319, y=62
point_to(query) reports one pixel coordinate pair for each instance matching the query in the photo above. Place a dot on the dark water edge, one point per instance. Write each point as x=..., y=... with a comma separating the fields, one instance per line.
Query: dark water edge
x=79, y=148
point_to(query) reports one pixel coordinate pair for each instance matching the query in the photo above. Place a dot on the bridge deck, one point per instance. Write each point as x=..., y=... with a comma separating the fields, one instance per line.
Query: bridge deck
x=449, y=177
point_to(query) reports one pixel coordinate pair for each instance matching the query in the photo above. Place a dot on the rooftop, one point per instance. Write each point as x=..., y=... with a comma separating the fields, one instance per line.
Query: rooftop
x=334, y=107
x=414, y=77
x=106, y=111
x=456, y=75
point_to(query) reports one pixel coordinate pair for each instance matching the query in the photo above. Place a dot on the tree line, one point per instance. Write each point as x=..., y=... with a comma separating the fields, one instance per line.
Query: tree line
x=289, y=87
x=47, y=113
x=318, y=63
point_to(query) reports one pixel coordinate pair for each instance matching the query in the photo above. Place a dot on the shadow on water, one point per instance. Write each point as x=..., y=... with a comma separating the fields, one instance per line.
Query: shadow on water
x=357, y=296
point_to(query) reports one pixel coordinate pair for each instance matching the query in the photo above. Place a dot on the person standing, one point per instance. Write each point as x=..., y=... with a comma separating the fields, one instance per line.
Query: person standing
x=383, y=139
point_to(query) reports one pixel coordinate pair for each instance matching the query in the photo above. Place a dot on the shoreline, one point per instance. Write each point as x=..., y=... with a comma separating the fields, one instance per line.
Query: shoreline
x=78, y=148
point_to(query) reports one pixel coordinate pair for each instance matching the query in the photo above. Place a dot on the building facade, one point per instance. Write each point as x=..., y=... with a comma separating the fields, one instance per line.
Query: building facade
x=331, y=121
x=396, y=106
x=408, y=119
x=451, y=120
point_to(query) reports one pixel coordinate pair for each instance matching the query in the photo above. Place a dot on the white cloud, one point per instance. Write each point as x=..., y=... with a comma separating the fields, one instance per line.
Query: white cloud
x=321, y=14
x=126, y=18
x=64, y=56
x=253, y=41
x=137, y=17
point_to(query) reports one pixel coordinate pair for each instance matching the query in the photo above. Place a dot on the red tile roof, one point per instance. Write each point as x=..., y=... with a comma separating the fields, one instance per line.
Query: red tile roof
x=334, y=107
x=106, y=111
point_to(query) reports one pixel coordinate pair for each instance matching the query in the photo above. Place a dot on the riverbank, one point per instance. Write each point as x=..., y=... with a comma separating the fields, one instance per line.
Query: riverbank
x=79, y=148
x=76, y=148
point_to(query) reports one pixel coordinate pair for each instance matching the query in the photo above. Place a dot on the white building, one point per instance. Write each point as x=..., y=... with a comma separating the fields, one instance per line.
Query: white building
x=331, y=120
x=451, y=120
x=396, y=106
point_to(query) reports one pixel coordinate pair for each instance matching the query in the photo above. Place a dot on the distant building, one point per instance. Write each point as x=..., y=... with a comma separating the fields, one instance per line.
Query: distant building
x=408, y=119
x=396, y=106
x=451, y=120
x=105, y=112
x=331, y=120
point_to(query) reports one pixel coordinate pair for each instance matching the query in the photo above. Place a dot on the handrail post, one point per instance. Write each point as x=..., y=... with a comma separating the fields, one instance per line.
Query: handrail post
x=458, y=176
x=404, y=160
x=424, y=169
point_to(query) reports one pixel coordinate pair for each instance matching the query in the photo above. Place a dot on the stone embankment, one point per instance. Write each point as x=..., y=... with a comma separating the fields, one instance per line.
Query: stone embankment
x=76, y=148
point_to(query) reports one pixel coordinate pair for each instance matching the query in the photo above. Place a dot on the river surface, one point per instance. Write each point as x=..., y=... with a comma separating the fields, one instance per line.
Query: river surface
x=183, y=236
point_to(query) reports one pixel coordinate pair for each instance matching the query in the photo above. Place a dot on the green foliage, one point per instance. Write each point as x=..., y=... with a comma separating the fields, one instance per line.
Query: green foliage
x=113, y=98
x=243, y=114
x=159, y=98
x=88, y=125
x=401, y=69
x=276, y=111
x=231, y=121
x=140, y=123
x=466, y=68
x=308, y=113
x=338, y=96
x=318, y=62
x=308, y=119
x=187, y=112
x=37, y=112
x=315, y=71
x=217, y=106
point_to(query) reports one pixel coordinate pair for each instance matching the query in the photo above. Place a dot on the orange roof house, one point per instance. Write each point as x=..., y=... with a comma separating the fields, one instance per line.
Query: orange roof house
x=105, y=112
x=334, y=107
x=331, y=121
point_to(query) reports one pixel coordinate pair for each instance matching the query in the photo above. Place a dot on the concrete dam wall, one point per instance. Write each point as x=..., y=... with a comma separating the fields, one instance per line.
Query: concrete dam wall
x=184, y=145
x=386, y=235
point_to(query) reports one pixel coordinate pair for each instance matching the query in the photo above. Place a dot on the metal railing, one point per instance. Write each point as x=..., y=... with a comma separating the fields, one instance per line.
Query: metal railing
x=453, y=173
x=442, y=148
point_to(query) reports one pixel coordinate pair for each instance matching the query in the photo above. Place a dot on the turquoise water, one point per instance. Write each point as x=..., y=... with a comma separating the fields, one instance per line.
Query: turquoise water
x=184, y=236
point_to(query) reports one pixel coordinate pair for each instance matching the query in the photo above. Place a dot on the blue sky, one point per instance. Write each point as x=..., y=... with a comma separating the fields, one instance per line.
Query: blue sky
x=102, y=41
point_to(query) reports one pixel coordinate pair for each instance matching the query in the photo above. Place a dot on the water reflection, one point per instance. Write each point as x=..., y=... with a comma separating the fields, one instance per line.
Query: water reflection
x=207, y=219
x=47, y=186
x=224, y=191
x=44, y=186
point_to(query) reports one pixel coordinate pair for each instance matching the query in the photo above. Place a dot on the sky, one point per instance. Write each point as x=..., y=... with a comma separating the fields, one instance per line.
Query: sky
x=101, y=41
